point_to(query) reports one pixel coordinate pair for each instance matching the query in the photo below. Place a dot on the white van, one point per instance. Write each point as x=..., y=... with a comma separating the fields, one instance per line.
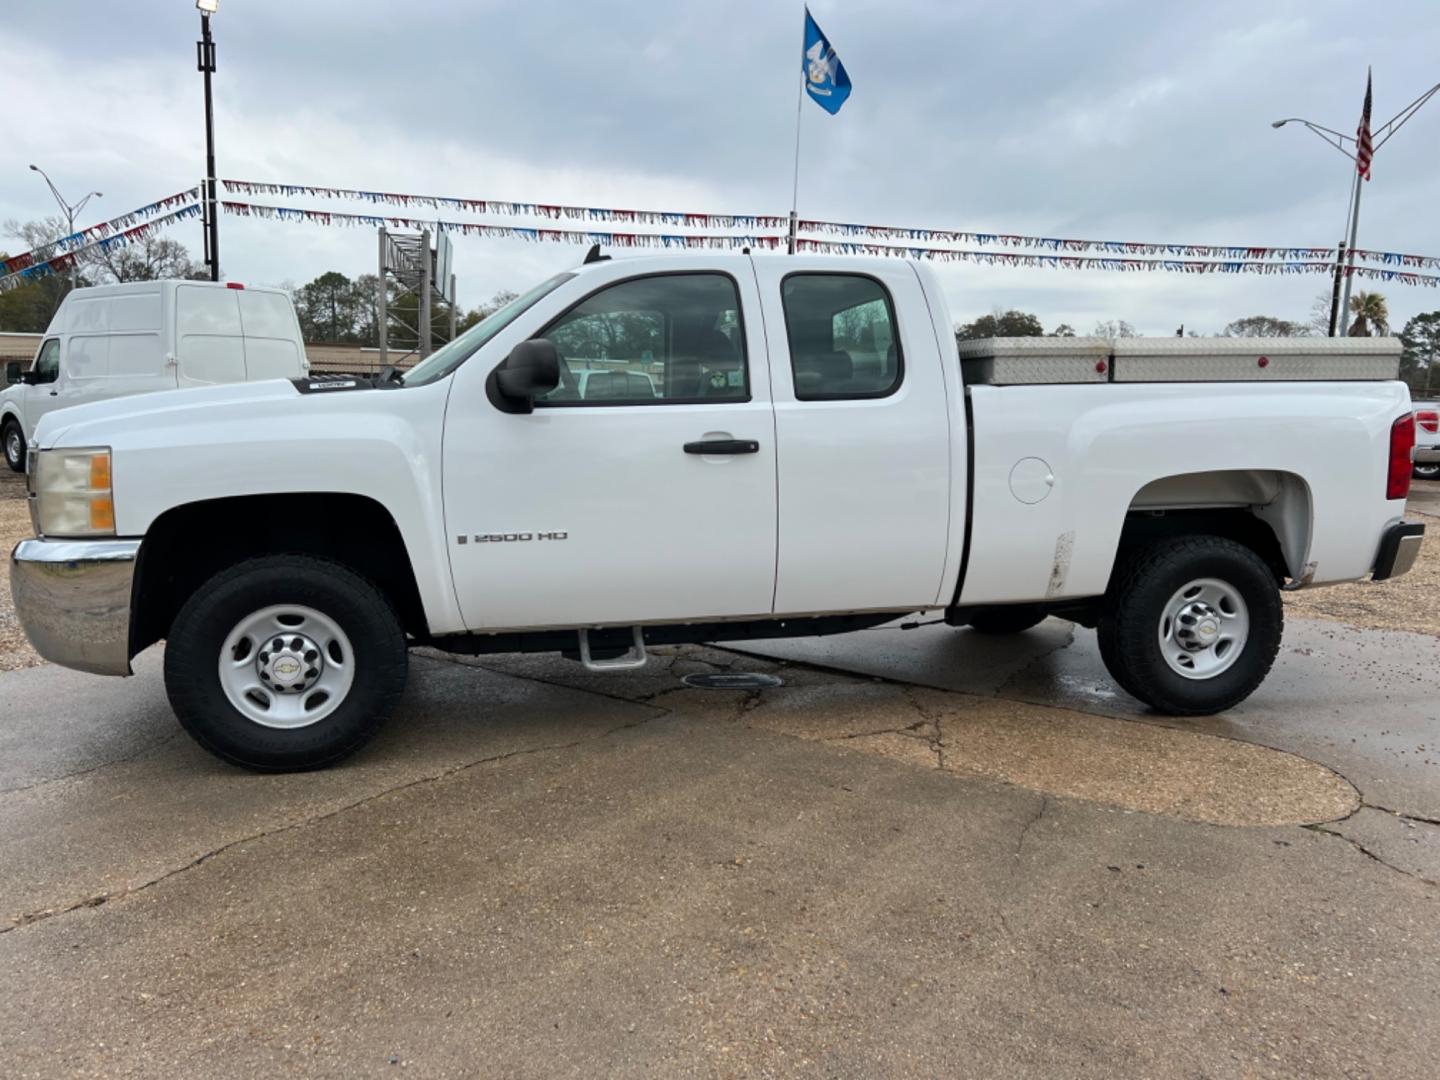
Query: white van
x=114, y=340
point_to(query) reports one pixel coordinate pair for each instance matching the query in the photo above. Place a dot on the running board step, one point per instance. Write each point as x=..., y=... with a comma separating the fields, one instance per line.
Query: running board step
x=635, y=658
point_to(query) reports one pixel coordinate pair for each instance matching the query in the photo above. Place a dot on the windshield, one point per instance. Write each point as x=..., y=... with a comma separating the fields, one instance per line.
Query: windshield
x=449, y=357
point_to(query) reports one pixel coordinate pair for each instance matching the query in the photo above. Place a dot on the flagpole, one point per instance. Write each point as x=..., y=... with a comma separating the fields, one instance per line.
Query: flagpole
x=799, y=106
x=1362, y=144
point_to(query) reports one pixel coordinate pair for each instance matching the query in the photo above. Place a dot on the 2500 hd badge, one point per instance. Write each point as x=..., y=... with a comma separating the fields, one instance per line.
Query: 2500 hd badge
x=512, y=538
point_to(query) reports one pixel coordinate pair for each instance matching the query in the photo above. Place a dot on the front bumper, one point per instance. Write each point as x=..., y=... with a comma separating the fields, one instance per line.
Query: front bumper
x=1427, y=455
x=73, y=600
x=1398, y=549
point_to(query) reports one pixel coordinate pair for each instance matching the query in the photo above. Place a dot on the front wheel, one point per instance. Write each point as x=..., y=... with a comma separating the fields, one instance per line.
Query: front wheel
x=1428, y=470
x=14, y=440
x=284, y=663
x=1192, y=626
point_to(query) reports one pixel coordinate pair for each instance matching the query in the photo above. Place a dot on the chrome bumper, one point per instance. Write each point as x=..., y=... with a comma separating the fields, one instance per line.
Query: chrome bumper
x=1427, y=455
x=1399, y=548
x=73, y=600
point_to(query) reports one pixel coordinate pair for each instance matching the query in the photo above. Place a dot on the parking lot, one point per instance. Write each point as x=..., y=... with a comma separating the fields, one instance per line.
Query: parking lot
x=927, y=853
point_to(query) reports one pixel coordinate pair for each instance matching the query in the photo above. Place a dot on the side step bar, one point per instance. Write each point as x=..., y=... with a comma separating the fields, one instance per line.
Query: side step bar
x=636, y=658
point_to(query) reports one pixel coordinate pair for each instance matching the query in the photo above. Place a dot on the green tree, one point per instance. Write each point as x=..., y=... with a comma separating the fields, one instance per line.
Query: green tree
x=1063, y=330
x=1264, y=326
x=1372, y=315
x=1420, y=362
x=1010, y=323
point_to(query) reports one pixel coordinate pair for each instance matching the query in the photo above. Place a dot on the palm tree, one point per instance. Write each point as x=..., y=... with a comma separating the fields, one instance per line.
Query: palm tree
x=1372, y=316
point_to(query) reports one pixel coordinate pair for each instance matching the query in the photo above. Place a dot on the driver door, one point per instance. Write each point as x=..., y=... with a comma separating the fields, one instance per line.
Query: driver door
x=642, y=489
x=44, y=395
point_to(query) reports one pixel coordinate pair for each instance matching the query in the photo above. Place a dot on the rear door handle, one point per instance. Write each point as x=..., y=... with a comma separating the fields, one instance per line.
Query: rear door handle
x=723, y=446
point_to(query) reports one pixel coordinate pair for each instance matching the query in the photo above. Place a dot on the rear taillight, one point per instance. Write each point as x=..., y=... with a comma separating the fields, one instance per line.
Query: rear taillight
x=1402, y=447
x=1428, y=419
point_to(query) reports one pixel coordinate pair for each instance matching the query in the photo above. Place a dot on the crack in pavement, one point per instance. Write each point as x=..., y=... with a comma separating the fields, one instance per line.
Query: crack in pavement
x=1370, y=854
x=1397, y=813
x=94, y=768
x=1030, y=823
x=96, y=900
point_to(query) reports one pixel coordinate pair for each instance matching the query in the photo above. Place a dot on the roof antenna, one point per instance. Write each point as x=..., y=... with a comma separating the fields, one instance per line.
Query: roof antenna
x=594, y=256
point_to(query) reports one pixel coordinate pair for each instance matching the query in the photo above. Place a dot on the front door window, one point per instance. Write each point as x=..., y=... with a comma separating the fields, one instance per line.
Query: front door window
x=47, y=364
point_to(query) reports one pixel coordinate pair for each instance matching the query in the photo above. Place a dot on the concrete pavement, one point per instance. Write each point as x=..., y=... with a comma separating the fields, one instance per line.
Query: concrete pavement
x=537, y=871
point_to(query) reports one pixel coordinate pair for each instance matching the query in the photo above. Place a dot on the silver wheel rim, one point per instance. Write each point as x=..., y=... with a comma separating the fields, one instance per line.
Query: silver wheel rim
x=286, y=666
x=1427, y=470
x=1203, y=628
x=12, y=445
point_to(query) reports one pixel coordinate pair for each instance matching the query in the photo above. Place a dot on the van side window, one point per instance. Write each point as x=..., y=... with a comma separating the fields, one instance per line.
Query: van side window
x=658, y=340
x=844, y=341
x=47, y=363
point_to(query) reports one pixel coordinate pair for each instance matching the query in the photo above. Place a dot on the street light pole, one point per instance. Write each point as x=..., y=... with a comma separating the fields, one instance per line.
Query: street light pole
x=70, y=210
x=1345, y=256
x=205, y=54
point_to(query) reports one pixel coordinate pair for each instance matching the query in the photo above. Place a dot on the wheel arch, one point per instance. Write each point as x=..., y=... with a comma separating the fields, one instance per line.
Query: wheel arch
x=1271, y=511
x=188, y=544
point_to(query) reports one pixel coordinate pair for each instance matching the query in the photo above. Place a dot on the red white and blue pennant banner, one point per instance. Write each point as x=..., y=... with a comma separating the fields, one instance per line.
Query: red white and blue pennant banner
x=57, y=264
x=505, y=208
x=507, y=232
x=836, y=247
x=1028, y=260
x=86, y=237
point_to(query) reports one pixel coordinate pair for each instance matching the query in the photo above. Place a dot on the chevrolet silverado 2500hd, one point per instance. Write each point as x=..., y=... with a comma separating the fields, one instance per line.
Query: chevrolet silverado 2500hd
x=759, y=446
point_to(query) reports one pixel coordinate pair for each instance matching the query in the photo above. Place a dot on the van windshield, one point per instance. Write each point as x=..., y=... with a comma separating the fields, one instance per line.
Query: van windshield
x=449, y=357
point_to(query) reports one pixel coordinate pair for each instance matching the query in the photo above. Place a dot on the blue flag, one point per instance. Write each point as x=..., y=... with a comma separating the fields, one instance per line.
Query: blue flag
x=825, y=79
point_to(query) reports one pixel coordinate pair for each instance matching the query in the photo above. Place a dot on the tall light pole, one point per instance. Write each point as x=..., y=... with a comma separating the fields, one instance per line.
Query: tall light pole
x=70, y=210
x=205, y=56
x=1346, y=256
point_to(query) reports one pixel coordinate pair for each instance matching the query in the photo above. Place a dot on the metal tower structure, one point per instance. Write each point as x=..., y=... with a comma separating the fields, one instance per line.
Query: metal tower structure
x=411, y=268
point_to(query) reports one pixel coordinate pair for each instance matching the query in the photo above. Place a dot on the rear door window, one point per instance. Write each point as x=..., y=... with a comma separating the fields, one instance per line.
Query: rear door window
x=844, y=340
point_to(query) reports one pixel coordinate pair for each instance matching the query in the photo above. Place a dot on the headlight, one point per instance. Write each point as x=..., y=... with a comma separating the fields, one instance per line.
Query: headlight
x=72, y=492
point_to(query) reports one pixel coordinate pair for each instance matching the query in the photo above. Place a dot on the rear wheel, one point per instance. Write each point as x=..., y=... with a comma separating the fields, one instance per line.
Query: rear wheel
x=284, y=663
x=1006, y=619
x=1192, y=626
x=14, y=440
x=1428, y=470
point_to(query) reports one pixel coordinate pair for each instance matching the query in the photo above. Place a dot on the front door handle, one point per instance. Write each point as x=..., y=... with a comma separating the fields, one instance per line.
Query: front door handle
x=723, y=446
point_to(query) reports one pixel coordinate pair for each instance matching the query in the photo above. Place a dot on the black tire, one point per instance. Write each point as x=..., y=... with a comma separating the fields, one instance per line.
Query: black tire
x=13, y=437
x=1429, y=470
x=198, y=634
x=1006, y=619
x=1131, y=616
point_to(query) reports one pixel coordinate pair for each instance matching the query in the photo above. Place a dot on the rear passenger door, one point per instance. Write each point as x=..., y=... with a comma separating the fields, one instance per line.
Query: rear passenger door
x=862, y=436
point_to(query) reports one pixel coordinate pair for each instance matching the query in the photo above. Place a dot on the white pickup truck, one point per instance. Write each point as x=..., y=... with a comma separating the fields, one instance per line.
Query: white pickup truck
x=802, y=450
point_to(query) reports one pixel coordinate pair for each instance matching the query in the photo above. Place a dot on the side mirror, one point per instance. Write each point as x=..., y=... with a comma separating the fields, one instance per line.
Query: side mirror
x=30, y=378
x=12, y=373
x=531, y=369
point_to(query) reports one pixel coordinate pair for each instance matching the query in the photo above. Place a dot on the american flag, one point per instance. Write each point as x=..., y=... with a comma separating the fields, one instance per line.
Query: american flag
x=1364, y=149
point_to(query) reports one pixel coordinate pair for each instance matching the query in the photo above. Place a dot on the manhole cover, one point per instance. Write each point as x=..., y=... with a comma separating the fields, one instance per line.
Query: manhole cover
x=740, y=681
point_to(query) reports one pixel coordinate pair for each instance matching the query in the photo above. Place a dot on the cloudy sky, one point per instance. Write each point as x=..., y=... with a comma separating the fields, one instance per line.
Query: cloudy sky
x=1102, y=119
